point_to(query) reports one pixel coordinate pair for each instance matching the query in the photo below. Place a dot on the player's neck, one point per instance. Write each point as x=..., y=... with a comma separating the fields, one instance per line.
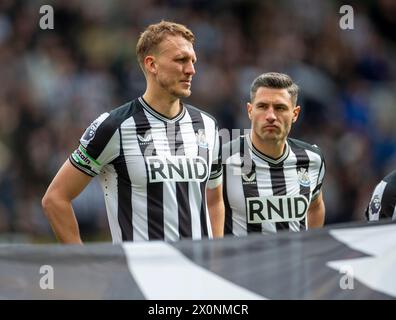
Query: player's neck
x=273, y=149
x=165, y=105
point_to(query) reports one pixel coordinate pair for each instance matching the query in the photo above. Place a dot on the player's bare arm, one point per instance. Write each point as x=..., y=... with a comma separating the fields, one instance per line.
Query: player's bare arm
x=67, y=184
x=316, y=212
x=216, y=210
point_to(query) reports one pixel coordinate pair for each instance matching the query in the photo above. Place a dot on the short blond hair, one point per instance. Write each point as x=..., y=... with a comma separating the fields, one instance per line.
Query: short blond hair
x=155, y=33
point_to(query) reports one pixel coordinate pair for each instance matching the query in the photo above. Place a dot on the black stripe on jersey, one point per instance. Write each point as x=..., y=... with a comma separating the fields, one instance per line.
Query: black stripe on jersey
x=155, y=210
x=124, y=195
x=302, y=163
x=216, y=166
x=198, y=124
x=227, y=207
x=176, y=146
x=278, y=183
x=249, y=187
x=388, y=200
x=108, y=127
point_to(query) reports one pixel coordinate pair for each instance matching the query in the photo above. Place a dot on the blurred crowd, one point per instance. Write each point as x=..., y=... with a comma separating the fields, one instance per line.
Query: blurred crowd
x=53, y=83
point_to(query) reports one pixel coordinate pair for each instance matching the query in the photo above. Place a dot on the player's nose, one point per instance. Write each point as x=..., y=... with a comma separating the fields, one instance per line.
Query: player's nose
x=190, y=69
x=270, y=114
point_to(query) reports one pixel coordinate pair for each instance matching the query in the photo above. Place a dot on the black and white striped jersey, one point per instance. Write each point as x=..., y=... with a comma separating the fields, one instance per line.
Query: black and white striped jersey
x=153, y=170
x=383, y=200
x=265, y=195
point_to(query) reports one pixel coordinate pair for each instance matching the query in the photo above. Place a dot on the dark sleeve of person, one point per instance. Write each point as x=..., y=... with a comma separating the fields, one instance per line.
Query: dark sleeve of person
x=383, y=199
x=388, y=200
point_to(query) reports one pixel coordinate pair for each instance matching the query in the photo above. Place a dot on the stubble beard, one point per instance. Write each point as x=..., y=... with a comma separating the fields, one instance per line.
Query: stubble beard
x=269, y=137
x=172, y=90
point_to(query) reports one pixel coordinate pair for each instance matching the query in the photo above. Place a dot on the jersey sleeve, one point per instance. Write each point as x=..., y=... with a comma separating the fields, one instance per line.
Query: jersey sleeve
x=382, y=202
x=318, y=187
x=216, y=171
x=99, y=145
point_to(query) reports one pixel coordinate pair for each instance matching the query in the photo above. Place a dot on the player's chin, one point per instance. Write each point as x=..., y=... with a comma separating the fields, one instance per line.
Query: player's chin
x=184, y=93
x=269, y=136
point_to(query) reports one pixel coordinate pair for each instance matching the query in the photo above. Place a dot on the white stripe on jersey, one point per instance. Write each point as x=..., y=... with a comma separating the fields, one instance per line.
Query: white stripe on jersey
x=234, y=179
x=314, y=158
x=108, y=179
x=209, y=128
x=171, y=217
x=195, y=200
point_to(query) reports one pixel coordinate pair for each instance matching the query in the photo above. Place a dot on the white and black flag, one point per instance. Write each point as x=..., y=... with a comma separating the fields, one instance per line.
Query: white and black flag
x=311, y=265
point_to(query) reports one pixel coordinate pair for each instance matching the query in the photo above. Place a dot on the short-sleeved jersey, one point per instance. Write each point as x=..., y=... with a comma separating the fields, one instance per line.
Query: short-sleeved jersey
x=154, y=171
x=265, y=195
x=383, y=200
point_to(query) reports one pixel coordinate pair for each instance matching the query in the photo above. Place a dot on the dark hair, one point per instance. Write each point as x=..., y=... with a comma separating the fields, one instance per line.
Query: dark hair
x=276, y=81
x=155, y=33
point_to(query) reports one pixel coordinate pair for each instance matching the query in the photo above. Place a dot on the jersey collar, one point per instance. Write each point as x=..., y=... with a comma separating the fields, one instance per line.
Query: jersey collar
x=158, y=115
x=261, y=155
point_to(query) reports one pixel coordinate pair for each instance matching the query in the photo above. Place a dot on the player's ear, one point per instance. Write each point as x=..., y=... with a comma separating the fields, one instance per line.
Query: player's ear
x=249, y=108
x=296, y=112
x=150, y=65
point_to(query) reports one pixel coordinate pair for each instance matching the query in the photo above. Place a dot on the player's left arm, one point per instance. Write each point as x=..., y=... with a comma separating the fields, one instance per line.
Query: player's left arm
x=316, y=212
x=216, y=210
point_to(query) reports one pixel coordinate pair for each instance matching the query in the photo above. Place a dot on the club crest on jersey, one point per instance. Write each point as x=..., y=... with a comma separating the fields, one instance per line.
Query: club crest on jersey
x=276, y=208
x=176, y=168
x=146, y=139
x=375, y=205
x=201, y=138
x=303, y=177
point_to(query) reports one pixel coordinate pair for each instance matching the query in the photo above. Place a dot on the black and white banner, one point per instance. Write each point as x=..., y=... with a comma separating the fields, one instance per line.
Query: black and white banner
x=352, y=262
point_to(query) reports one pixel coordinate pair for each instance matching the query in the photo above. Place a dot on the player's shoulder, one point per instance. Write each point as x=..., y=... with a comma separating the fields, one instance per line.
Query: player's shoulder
x=195, y=110
x=107, y=123
x=118, y=115
x=390, y=179
x=125, y=111
x=305, y=146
